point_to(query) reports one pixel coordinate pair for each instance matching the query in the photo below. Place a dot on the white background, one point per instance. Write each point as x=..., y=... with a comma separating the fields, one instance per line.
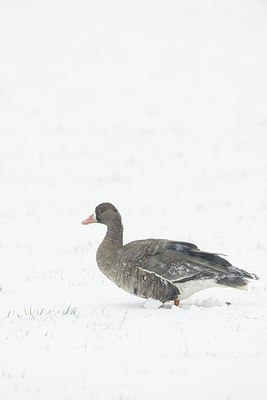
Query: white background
x=160, y=108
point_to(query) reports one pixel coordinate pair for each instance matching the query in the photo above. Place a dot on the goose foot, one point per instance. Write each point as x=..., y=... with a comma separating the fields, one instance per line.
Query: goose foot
x=176, y=302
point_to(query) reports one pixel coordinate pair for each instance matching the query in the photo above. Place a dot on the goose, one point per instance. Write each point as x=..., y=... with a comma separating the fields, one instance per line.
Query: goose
x=159, y=269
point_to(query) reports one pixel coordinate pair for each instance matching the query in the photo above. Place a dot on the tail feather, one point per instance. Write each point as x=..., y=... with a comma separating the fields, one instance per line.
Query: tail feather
x=237, y=282
x=244, y=274
x=239, y=278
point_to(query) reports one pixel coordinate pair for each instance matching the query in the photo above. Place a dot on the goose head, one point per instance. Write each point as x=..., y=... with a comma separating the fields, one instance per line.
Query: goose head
x=105, y=213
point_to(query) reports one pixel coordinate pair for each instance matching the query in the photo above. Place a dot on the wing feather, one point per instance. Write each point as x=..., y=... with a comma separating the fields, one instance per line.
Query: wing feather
x=174, y=260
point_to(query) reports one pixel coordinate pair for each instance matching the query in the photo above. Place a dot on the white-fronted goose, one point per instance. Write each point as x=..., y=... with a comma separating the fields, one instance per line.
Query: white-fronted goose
x=160, y=269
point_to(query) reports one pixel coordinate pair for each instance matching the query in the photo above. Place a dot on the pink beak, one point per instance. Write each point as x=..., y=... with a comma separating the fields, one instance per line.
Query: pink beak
x=90, y=220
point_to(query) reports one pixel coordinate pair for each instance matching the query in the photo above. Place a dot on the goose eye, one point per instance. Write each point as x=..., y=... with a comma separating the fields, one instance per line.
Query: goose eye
x=101, y=211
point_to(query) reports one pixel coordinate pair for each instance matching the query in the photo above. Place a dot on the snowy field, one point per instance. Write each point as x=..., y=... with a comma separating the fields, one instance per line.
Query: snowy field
x=159, y=107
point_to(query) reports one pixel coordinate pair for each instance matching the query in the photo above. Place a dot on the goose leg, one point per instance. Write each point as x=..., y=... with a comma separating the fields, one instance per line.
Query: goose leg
x=176, y=302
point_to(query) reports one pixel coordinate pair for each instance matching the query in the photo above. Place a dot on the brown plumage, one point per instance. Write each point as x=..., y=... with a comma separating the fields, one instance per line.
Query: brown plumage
x=158, y=268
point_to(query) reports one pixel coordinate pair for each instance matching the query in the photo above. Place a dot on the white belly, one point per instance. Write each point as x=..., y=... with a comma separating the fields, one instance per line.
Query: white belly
x=188, y=288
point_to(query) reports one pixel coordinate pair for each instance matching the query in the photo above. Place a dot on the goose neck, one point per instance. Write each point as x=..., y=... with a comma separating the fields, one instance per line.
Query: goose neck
x=115, y=232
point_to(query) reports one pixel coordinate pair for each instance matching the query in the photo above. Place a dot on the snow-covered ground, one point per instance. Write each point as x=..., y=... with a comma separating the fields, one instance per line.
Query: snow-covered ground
x=160, y=108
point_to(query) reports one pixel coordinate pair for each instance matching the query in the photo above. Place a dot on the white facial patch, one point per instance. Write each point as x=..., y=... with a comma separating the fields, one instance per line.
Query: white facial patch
x=94, y=216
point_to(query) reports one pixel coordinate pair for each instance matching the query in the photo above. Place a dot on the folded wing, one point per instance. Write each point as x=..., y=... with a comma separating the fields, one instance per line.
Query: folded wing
x=178, y=261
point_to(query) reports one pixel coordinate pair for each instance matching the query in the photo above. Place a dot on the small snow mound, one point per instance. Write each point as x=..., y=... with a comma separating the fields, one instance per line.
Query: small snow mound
x=210, y=302
x=152, y=304
x=184, y=306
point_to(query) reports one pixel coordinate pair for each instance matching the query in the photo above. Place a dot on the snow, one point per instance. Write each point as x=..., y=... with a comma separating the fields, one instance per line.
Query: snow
x=159, y=108
x=152, y=303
